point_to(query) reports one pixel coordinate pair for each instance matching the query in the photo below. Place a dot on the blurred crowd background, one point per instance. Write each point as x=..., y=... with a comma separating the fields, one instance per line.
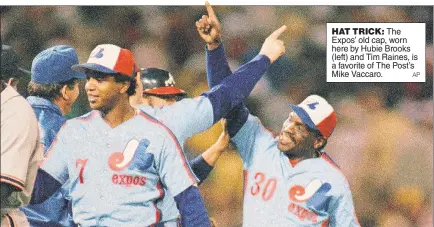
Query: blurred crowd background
x=383, y=140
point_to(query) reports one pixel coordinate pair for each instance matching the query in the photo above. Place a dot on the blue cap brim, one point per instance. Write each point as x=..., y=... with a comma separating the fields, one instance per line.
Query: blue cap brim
x=94, y=67
x=304, y=117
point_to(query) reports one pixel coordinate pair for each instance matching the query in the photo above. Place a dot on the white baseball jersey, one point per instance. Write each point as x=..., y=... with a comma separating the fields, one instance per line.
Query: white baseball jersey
x=312, y=192
x=118, y=175
x=20, y=150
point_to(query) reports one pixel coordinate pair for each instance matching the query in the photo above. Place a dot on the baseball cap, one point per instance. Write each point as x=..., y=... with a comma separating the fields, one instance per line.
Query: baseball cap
x=110, y=59
x=159, y=82
x=9, y=64
x=317, y=114
x=53, y=65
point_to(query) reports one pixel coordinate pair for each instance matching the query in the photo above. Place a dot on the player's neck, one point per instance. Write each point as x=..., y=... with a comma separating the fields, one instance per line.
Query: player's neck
x=62, y=106
x=305, y=154
x=118, y=114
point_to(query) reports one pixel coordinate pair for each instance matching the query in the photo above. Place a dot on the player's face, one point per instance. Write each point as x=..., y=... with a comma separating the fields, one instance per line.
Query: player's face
x=102, y=92
x=295, y=137
x=73, y=95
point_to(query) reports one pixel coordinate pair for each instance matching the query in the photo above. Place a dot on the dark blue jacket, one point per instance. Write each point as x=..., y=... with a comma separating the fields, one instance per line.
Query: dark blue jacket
x=49, y=117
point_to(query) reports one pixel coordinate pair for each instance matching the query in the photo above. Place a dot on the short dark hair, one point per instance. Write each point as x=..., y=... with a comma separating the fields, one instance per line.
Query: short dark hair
x=118, y=77
x=121, y=78
x=317, y=134
x=49, y=91
x=323, y=145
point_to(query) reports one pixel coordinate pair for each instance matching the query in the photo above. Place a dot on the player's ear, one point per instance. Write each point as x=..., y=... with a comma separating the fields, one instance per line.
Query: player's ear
x=319, y=143
x=125, y=86
x=64, y=92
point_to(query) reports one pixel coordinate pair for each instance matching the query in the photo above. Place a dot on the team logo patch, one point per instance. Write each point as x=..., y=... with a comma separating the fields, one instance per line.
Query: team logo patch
x=314, y=194
x=312, y=106
x=97, y=53
x=134, y=157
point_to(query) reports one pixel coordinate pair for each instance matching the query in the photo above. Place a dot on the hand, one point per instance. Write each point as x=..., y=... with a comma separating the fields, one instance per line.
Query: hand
x=137, y=99
x=273, y=48
x=209, y=28
x=223, y=140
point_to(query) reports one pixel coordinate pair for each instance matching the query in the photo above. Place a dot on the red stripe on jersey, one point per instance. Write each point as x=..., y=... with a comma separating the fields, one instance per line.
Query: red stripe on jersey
x=332, y=163
x=178, y=147
x=357, y=220
x=245, y=180
x=157, y=211
x=325, y=223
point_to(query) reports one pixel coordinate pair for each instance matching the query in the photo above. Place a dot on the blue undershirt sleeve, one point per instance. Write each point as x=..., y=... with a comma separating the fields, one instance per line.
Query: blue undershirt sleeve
x=200, y=168
x=236, y=87
x=192, y=209
x=45, y=187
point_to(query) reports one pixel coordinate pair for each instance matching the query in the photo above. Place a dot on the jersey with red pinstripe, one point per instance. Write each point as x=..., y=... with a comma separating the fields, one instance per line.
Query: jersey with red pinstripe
x=117, y=175
x=277, y=192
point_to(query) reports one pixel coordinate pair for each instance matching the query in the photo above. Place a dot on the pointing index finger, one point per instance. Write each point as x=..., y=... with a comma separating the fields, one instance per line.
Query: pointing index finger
x=209, y=10
x=277, y=33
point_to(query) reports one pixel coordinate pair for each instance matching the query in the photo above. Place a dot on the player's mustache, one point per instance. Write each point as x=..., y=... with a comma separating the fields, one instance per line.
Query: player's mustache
x=290, y=136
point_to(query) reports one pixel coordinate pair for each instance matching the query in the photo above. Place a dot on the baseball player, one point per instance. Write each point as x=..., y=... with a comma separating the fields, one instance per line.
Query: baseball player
x=53, y=90
x=118, y=154
x=20, y=150
x=198, y=114
x=289, y=179
x=156, y=88
x=202, y=112
x=124, y=157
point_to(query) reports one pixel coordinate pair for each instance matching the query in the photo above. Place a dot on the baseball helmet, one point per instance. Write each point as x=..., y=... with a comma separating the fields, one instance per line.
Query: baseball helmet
x=159, y=82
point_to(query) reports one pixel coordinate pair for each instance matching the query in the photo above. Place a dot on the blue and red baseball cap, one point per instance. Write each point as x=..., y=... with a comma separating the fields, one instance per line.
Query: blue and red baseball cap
x=110, y=59
x=317, y=114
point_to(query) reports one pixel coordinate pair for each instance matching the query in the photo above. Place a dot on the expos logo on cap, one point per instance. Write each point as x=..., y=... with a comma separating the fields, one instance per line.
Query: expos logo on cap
x=317, y=114
x=110, y=59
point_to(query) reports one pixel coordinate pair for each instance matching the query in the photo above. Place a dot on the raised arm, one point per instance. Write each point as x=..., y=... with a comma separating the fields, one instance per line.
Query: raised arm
x=203, y=164
x=209, y=29
x=236, y=87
